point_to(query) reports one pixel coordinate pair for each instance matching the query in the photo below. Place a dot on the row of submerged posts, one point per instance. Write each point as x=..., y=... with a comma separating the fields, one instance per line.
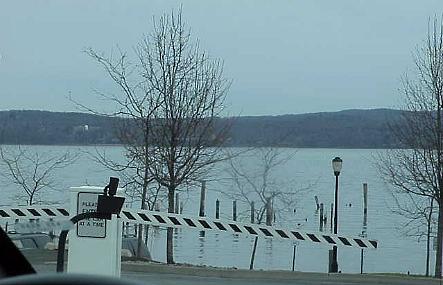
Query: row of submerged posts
x=131, y=230
x=234, y=218
x=323, y=219
x=179, y=205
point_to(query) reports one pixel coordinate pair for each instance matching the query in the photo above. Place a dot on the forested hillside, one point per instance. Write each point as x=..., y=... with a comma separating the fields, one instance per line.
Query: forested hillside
x=345, y=129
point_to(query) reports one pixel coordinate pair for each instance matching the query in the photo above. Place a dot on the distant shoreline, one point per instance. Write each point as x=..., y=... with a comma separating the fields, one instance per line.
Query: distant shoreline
x=349, y=129
x=227, y=147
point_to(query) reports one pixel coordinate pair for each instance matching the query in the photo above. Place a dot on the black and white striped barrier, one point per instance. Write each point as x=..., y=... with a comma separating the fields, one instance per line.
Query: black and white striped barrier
x=200, y=223
x=43, y=213
x=204, y=224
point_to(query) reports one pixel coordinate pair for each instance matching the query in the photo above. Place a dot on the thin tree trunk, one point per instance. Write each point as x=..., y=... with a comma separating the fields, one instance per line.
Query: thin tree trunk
x=428, y=238
x=143, y=207
x=31, y=199
x=170, y=232
x=268, y=214
x=139, y=240
x=438, y=253
x=146, y=234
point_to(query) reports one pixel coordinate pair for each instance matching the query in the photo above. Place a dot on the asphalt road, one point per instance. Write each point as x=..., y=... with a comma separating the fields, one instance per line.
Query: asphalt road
x=161, y=274
x=300, y=279
x=166, y=275
x=175, y=279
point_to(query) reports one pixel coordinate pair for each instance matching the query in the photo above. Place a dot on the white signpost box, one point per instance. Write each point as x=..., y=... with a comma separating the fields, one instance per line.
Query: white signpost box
x=94, y=244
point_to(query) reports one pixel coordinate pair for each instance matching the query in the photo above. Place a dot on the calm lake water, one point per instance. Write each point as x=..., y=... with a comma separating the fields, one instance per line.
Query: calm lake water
x=396, y=253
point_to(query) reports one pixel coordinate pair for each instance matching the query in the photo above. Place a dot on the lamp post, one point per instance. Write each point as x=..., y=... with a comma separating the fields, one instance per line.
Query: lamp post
x=336, y=166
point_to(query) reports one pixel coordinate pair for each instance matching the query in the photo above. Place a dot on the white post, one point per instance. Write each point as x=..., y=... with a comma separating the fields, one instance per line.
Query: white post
x=94, y=244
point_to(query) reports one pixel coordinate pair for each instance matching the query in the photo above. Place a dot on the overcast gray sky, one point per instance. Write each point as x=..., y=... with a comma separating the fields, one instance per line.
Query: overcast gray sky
x=284, y=56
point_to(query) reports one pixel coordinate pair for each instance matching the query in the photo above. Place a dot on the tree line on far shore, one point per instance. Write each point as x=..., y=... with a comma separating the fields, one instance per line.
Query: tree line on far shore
x=344, y=129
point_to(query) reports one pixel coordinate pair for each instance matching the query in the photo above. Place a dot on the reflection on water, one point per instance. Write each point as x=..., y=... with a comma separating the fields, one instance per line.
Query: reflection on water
x=201, y=245
x=235, y=244
x=217, y=245
x=268, y=252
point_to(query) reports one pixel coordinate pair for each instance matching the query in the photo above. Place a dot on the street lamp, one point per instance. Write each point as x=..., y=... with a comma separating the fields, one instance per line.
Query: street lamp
x=336, y=166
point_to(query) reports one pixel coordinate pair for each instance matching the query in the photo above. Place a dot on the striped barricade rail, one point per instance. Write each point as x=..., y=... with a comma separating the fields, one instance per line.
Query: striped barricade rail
x=27, y=213
x=199, y=223
x=206, y=224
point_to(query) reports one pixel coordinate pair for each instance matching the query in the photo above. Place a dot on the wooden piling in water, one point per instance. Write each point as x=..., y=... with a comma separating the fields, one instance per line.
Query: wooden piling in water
x=252, y=212
x=274, y=215
x=202, y=199
x=365, y=222
x=321, y=217
x=316, y=203
x=217, y=209
x=234, y=210
x=365, y=206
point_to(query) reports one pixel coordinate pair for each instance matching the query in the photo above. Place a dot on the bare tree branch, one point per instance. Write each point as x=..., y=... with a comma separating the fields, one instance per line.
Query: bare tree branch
x=32, y=172
x=257, y=184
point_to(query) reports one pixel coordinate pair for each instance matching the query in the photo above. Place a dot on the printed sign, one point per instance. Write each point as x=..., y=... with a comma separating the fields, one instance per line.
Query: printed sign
x=94, y=228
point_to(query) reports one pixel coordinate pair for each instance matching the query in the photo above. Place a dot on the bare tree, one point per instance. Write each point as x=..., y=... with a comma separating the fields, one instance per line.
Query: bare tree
x=417, y=169
x=32, y=172
x=192, y=89
x=171, y=100
x=419, y=215
x=259, y=187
